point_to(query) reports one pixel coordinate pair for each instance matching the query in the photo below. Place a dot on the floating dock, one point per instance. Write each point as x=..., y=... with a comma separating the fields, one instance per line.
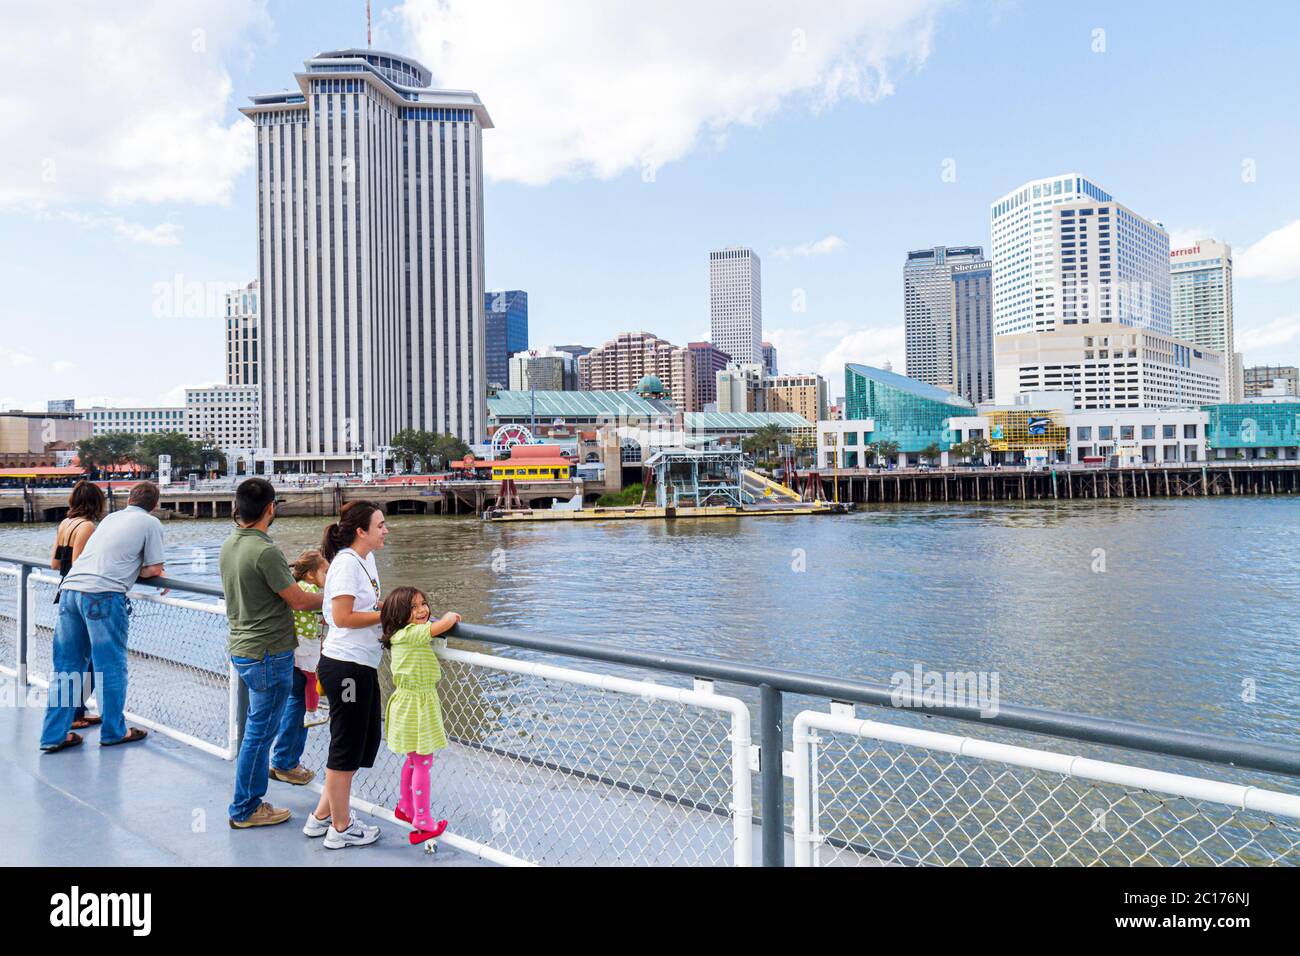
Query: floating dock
x=633, y=512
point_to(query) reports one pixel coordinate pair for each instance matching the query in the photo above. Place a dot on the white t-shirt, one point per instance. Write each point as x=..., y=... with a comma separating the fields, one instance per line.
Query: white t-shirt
x=350, y=574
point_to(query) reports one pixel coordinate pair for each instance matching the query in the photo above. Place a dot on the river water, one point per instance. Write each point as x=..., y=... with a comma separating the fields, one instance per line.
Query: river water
x=1181, y=613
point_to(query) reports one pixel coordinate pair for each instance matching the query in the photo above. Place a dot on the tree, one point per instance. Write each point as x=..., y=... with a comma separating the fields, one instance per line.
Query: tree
x=931, y=452
x=426, y=450
x=884, y=449
x=108, y=450
x=186, y=454
x=763, y=444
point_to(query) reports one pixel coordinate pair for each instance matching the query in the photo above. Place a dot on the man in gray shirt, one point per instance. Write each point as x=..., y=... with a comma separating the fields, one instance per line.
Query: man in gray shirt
x=92, y=623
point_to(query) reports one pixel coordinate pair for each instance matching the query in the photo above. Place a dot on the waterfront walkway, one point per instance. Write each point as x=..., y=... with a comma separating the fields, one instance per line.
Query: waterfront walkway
x=157, y=803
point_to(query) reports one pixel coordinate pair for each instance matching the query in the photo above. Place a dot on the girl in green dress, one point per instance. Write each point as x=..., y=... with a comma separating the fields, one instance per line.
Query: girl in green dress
x=413, y=721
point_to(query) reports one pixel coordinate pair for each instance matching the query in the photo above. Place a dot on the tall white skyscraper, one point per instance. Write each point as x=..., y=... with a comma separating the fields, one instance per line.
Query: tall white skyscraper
x=370, y=258
x=736, y=304
x=928, y=311
x=1023, y=250
x=1200, y=287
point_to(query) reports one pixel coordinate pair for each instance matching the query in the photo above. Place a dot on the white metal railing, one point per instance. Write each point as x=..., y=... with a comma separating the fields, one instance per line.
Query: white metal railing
x=874, y=793
x=551, y=765
x=182, y=684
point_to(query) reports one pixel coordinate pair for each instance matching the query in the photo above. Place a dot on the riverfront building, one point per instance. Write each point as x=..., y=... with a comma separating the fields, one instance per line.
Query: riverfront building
x=972, y=331
x=902, y=410
x=505, y=332
x=1200, y=277
x=241, y=335
x=928, y=311
x=370, y=258
x=736, y=303
x=1108, y=366
x=1259, y=428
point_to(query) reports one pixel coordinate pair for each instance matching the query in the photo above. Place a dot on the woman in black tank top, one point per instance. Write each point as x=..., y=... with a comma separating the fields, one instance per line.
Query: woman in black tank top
x=85, y=508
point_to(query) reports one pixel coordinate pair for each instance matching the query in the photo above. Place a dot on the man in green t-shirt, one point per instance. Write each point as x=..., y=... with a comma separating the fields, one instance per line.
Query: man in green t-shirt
x=261, y=596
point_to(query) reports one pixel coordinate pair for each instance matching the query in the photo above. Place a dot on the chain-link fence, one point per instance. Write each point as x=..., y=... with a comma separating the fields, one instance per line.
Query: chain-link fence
x=8, y=620
x=555, y=766
x=871, y=794
x=177, y=662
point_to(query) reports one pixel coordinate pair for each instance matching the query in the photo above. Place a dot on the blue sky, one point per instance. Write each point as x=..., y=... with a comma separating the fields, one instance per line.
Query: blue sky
x=630, y=142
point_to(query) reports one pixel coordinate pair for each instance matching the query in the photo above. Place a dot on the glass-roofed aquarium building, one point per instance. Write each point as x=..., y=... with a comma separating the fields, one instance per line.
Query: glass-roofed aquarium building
x=911, y=413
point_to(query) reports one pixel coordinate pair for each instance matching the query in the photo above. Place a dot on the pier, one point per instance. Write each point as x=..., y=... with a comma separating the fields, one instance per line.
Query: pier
x=1062, y=482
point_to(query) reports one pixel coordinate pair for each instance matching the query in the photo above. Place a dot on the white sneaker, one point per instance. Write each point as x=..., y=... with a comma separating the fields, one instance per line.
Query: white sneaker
x=357, y=834
x=314, y=827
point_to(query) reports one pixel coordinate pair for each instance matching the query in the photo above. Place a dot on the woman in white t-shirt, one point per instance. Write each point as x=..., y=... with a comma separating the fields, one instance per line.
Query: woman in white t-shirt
x=349, y=669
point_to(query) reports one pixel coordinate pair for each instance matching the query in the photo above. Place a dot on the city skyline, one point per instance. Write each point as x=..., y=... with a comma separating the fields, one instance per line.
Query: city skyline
x=829, y=240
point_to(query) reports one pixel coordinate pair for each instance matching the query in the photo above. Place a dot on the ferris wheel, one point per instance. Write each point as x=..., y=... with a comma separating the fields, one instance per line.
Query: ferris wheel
x=507, y=436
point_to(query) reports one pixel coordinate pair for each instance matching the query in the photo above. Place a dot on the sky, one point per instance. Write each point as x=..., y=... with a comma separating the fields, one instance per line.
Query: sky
x=629, y=140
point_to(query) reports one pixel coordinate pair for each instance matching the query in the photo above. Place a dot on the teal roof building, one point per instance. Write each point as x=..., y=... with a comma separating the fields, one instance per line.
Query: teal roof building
x=911, y=413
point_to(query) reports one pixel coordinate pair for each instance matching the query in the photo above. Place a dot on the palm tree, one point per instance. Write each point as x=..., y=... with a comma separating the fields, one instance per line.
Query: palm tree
x=931, y=452
x=885, y=449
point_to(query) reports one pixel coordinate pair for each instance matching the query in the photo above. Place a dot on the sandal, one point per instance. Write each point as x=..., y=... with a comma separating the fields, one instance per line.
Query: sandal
x=132, y=735
x=90, y=720
x=72, y=740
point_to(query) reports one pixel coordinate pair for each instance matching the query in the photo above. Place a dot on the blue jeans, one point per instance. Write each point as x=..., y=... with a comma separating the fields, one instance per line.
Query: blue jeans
x=90, y=625
x=269, y=682
x=292, y=738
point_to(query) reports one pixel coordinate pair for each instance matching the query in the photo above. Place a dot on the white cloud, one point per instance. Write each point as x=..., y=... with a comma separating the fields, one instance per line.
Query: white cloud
x=162, y=234
x=599, y=87
x=826, y=348
x=62, y=366
x=1270, y=335
x=14, y=358
x=124, y=103
x=1276, y=256
x=821, y=247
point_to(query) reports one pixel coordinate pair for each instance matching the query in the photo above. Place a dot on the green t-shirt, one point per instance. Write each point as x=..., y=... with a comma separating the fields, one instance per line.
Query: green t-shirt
x=253, y=570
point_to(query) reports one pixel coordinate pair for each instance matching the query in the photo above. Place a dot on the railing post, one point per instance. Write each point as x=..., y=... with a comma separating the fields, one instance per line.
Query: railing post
x=22, y=621
x=771, y=779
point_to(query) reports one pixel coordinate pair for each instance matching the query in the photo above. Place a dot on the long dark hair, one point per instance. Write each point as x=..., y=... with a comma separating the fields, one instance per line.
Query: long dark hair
x=353, y=517
x=396, y=612
x=86, y=501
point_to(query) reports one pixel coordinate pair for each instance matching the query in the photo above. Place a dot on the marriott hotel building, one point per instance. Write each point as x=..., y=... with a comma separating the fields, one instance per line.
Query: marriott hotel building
x=370, y=259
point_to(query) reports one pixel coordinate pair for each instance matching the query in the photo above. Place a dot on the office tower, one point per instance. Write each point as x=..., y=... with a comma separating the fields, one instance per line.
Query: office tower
x=505, y=332
x=241, y=335
x=624, y=360
x=740, y=388
x=972, y=330
x=1100, y=250
x=370, y=258
x=1200, y=292
x=545, y=369
x=61, y=406
x=706, y=362
x=577, y=351
x=927, y=311
x=736, y=303
x=224, y=416
x=802, y=394
x=1260, y=381
x=769, y=358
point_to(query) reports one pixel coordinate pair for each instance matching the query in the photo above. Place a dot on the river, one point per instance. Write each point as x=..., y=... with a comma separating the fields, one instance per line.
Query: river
x=1180, y=613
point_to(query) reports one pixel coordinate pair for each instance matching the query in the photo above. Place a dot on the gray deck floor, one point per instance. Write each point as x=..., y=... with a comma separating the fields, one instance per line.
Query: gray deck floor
x=157, y=803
